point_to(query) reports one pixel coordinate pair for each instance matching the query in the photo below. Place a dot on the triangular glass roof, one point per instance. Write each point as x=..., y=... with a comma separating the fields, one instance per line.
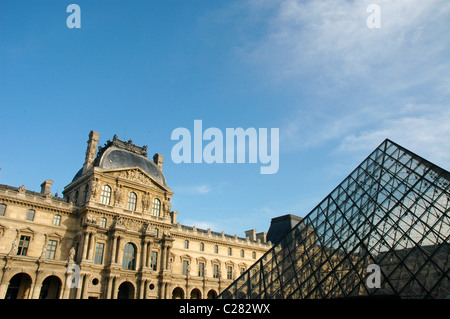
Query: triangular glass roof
x=383, y=232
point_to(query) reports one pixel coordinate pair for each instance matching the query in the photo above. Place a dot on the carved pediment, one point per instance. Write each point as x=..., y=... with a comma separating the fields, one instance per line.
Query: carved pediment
x=54, y=235
x=137, y=175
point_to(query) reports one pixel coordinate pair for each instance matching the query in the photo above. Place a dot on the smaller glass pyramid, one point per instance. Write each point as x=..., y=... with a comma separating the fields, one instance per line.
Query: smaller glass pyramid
x=383, y=232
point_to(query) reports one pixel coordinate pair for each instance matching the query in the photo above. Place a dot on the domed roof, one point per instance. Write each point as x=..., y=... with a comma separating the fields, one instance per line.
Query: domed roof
x=115, y=157
x=119, y=154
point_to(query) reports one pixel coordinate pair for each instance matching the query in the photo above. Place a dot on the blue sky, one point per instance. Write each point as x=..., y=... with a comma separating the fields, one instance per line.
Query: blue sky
x=140, y=69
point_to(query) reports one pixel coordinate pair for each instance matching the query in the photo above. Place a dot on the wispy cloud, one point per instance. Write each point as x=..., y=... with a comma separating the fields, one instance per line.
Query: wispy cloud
x=193, y=189
x=363, y=85
x=199, y=224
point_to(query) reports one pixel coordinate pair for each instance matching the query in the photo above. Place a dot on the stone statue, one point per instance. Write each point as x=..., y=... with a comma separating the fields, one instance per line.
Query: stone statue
x=44, y=251
x=166, y=206
x=118, y=195
x=22, y=189
x=13, y=250
x=145, y=202
x=71, y=254
x=94, y=188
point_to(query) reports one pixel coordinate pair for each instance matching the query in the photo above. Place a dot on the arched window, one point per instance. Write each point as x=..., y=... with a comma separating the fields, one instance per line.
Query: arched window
x=216, y=249
x=202, y=247
x=186, y=244
x=230, y=251
x=132, y=199
x=105, y=197
x=156, y=207
x=129, y=257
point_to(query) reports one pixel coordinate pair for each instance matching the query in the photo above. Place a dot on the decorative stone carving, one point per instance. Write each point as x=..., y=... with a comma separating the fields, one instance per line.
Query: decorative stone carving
x=118, y=194
x=146, y=202
x=71, y=255
x=91, y=219
x=118, y=221
x=22, y=189
x=166, y=207
x=135, y=175
x=14, y=246
x=44, y=251
x=95, y=186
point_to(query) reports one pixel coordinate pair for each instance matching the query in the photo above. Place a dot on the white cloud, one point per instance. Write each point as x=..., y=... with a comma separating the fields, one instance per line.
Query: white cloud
x=193, y=189
x=329, y=40
x=423, y=129
x=199, y=224
x=372, y=84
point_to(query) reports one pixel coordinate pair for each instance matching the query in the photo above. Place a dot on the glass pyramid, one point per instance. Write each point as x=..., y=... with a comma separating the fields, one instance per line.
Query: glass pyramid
x=383, y=232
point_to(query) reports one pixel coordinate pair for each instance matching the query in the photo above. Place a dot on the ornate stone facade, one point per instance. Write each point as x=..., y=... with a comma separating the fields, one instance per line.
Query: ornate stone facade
x=113, y=235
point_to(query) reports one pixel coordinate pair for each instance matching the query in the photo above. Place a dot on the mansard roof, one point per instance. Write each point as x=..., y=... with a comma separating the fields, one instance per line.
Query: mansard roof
x=120, y=154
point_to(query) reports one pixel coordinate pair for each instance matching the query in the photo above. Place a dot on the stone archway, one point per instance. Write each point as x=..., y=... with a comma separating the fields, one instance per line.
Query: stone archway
x=126, y=291
x=196, y=294
x=212, y=294
x=178, y=293
x=51, y=288
x=19, y=287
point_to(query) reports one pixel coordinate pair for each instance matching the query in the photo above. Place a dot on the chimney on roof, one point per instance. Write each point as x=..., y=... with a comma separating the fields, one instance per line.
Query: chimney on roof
x=45, y=187
x=251, y=234
x=91, y=150
x=158, y=159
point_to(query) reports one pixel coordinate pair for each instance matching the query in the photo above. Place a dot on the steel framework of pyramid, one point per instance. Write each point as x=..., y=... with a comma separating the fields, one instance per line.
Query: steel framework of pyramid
x=383, y=232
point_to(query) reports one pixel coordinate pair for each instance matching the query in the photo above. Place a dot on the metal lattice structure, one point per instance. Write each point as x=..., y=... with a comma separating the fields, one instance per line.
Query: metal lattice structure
x=392, y=211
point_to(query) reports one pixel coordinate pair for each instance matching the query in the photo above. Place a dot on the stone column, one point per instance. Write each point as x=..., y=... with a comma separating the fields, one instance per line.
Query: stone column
x=109, y=287
x=117, y=255
x=85, y=286
x=4, y=283
x=36, y=286
x=91, y=247
x=83, y=254
x=113, y=249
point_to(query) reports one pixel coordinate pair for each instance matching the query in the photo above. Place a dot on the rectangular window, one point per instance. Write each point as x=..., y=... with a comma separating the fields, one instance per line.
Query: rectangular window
x=2, y=209
x=201, y=269
x=30, y=214
x=103, y=222
x=242, y=270
x=154, y=260
x=98, y=258
x=51, y=249
x=215, y=271
x=57, y=220
x=185, y=267
x=229, y=272
x=24, y=243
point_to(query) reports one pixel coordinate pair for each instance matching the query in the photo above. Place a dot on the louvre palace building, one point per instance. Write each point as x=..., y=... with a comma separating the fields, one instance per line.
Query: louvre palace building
x=113, y=235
